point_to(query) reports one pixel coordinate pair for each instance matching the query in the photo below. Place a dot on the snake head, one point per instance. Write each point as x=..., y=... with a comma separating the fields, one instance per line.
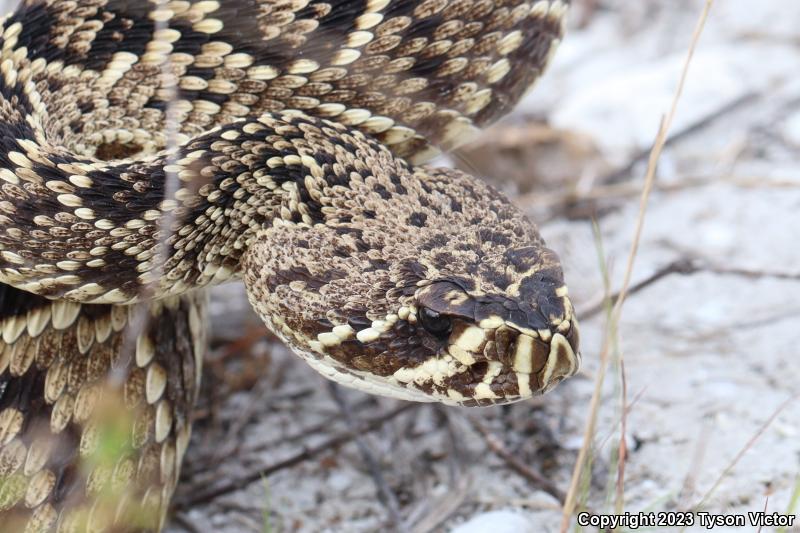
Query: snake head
x=495, y=329
x=496, y=347
x=414, y=282
x=443, y=293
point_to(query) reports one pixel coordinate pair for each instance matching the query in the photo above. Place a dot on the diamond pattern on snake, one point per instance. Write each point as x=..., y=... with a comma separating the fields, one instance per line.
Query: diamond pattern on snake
x=151, y=149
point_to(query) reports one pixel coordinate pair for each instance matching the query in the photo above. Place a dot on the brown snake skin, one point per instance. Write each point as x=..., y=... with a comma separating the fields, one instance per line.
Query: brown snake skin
x=149, y=149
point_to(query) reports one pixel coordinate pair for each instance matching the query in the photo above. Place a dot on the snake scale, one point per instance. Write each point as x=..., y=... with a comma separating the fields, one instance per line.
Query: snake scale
x=150, y=149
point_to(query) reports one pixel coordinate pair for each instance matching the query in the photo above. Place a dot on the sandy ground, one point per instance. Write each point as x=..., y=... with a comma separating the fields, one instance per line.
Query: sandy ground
x=710, y=343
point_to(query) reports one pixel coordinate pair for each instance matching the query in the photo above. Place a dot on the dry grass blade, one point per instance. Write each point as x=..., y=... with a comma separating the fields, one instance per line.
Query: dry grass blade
x=766, y=506
x=584, y=458
x=655, y=154
x=628, y=408
x=623, y=447
x=695, y=467
x=745, y=449
x=790, y=510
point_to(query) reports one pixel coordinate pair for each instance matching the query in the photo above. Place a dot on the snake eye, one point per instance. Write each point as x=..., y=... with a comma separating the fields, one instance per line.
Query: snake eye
x=434, y=323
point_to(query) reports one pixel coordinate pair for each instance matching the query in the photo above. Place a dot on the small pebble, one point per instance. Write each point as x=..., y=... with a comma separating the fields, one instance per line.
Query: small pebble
x=496, y=522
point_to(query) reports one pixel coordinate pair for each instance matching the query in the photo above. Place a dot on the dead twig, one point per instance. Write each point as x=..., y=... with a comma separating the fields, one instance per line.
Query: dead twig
x=201, y=496
x=430, y=514
x=385, y=494
x=683, y=266
x=557, y=201
x=687, y=266
x=622, y=173
x=199, y=461
x=306, y=431
x=751, y=274
x=578, y=201
x=261, y=397
x=186, y=523
x=497, y=446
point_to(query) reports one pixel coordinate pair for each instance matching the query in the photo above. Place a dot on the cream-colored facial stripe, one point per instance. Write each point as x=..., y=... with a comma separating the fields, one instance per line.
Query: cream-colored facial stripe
x=536, y=366
x=369, y=383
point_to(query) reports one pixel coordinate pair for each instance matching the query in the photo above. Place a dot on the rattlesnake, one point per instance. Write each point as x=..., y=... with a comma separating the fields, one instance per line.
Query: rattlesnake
x=151, y=149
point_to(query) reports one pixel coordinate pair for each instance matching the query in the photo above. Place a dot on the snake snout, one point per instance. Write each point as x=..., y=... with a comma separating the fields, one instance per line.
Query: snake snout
x=543, y=359
x=503, y=362
x=563, y=361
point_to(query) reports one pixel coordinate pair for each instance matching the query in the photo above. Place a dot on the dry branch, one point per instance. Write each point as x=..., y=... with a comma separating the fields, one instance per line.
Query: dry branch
x=201, y=496
x=497, y=446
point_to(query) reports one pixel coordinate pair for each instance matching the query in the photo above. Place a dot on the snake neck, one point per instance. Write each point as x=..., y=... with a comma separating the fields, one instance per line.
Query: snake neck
x=111, y=232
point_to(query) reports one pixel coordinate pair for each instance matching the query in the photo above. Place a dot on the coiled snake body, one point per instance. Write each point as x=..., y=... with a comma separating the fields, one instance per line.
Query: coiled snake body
x=151, y=149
